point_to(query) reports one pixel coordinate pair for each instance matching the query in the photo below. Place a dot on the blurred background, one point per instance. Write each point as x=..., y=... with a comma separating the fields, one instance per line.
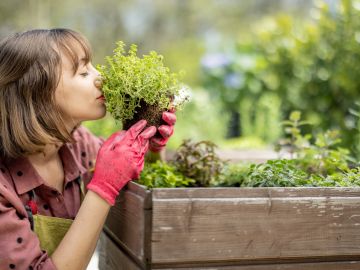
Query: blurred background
x=248, y=63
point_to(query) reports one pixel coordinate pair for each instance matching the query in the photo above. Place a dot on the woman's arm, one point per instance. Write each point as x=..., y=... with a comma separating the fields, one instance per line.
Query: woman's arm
x=119, y=160
x=78, y=245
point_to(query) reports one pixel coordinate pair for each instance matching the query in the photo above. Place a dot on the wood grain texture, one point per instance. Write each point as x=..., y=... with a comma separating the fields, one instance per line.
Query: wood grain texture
x=111, y=257
x=252, y=228
x=351, y=265
x=272, y=224
x=298, y=192
x=128, y=222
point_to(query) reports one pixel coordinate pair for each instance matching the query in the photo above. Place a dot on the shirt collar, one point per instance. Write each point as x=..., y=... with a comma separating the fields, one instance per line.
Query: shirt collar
x=26, y=178
x=72, y=166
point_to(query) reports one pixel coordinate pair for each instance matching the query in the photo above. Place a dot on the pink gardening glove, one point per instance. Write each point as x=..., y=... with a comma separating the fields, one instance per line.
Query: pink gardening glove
x=157, y=144
x=119, y=160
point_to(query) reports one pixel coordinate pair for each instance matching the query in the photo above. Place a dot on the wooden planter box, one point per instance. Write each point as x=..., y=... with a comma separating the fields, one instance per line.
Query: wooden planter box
x=233, y=228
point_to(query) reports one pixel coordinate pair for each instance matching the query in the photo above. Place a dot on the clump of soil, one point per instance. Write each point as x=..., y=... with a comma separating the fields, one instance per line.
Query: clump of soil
x=151, y=113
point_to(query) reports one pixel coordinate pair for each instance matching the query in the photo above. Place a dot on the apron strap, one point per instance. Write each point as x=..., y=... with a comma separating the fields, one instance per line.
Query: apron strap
x=30, y=217
x=82, y=188
x=30, y=208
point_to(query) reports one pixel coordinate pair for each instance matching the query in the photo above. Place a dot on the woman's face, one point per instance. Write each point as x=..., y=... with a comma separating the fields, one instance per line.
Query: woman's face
x=79, y=95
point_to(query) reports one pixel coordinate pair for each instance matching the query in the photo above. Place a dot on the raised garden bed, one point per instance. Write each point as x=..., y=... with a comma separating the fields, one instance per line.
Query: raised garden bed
x=233, y=228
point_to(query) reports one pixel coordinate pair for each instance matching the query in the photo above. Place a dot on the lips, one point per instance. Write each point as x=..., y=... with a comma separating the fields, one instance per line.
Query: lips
x=101, y=97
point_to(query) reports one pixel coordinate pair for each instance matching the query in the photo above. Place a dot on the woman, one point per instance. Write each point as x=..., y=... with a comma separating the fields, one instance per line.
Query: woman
x=48, y=86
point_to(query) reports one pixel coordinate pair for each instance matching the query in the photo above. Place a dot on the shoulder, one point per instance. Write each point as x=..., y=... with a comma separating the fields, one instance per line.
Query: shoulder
x=82, y=133
x=85, y=148
x=85, y=140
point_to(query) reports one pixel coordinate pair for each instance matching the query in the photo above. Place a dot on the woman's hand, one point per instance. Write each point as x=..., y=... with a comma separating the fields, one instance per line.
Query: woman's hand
x=120, y=159
x=157, y=144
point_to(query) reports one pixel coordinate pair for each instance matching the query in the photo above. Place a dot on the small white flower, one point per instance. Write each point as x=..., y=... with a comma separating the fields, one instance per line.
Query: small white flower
x=183, y=96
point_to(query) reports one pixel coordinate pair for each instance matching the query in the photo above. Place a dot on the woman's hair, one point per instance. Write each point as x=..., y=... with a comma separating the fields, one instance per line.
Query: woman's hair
x=30, y=70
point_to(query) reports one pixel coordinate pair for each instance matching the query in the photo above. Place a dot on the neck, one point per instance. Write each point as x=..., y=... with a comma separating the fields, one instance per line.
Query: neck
x=48, y=165
x=49, y=154
x=51, y=151
x=71, y=124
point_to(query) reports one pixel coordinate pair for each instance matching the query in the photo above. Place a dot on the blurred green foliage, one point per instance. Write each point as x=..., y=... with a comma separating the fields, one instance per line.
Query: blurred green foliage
x=243, y=142
x=237, y=79
x=318, y=65
x=356, y=112
x=200, y=119
x=103, y=127
x=312, y=66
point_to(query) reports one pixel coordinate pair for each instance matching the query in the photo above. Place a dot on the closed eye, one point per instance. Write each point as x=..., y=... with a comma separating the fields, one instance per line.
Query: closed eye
x=84, y=74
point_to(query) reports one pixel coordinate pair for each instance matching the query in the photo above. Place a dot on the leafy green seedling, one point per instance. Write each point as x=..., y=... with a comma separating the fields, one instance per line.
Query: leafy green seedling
x=138, y=88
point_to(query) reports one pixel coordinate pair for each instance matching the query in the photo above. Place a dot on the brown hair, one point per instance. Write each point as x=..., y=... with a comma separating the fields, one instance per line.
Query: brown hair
x=30, y=70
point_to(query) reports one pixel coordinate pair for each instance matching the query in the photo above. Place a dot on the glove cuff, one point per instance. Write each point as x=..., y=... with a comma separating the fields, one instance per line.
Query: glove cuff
x=108, y=194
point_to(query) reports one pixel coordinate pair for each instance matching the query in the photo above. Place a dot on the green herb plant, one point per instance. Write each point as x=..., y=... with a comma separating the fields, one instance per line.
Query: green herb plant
x=295, y=141
x=323, y=156
x=232, y=175
x=349, y=178
x=356, y=112
x=131, y=83
x=199, y=161
x=161, y=174
x=275, y=173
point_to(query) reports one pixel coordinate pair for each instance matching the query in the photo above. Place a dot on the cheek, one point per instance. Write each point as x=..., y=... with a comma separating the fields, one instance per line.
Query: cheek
x=78, y=102
x=85, y=109
x=60, y=99
x=68, y=105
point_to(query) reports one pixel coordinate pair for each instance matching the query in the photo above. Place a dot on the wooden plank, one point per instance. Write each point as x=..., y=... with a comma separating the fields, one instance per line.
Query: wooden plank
x=111, y=257
x=350, y=265
x=199, y=225
x=141, y=191
x=128, y=221
x=222, y=192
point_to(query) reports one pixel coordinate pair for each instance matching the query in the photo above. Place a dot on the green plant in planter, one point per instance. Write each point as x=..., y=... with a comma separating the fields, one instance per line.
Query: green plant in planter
x=323, y=156
x=232, y=175
x=295, y=141
x=161, y=174
x=314, y=163
x=198, y=161
x=356, y=112
x=138, y=88
x=349, y=178
x=276, y=173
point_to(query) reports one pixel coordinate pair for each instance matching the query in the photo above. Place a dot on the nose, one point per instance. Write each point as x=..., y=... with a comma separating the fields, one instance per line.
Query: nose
x=98, y=82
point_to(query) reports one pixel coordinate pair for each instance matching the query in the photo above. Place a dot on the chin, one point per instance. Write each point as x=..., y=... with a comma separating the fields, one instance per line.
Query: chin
x=98, y=113
x=97, y=117
x=95, y=114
